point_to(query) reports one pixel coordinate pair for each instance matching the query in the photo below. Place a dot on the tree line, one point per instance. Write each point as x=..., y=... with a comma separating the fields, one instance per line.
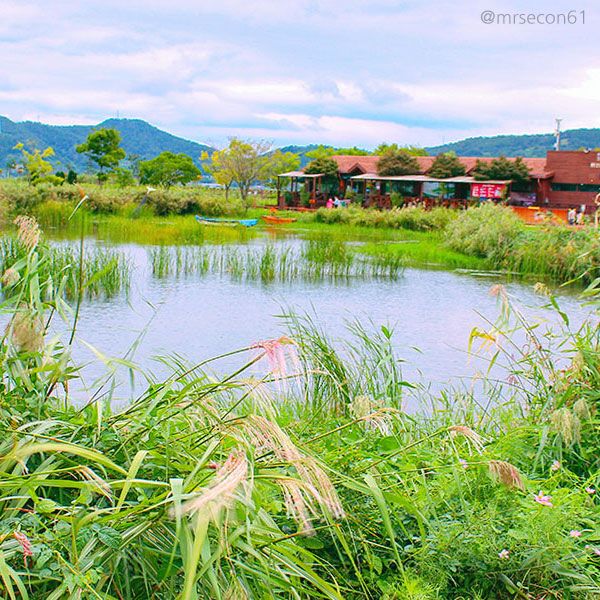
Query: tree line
x=245, y=163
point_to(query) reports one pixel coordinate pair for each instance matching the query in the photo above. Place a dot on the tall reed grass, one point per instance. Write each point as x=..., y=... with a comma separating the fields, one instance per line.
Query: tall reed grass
x=300, y=474
x=321, y=260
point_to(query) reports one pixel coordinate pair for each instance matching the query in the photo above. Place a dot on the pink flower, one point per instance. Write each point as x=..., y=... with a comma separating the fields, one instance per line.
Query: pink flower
x=555, y=466
x=277, y=352
x=575, y=533
x=543, y=499
x=464, y=463
x=504, y=554
x=25, y=545
x=590, y=490
x=597, y=551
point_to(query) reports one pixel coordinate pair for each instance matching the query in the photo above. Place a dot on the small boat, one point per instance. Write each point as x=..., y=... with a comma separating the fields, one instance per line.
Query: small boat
x=215, y=221
x=276, y=219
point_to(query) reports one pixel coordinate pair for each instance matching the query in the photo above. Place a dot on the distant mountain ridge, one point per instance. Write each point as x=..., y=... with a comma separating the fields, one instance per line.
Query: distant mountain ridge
x=139, y=139
x=146, y=141
x=528, y=145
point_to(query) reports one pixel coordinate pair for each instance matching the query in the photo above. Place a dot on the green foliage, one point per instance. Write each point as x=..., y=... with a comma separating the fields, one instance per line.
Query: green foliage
x=38, y=169
x=324, y=166
x=488, y=231
x=384, y=148
x=168, y=169
x=310, y=481
x=502, y=168
x=103, y=147
x=415, y=219
x=397, y=162
x=446, y=165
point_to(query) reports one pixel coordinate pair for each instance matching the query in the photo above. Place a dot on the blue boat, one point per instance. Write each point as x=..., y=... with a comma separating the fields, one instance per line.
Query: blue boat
x=215, y=221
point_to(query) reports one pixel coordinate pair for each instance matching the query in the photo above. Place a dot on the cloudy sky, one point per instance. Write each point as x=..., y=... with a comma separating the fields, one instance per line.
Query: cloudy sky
x=296, y=71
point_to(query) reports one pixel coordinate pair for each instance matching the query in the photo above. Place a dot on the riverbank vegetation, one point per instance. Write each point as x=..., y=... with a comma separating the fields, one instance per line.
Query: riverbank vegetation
x=484, y=237
x=300, y=474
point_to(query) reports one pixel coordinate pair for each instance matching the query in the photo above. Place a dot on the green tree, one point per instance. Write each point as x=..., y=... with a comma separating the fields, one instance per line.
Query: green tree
x=248, y=162
x=36, y=166
x=397, y=162
x=280, y=162
x=446, y=165
x=324, y=166
x=216, y=165
x=384, y=148
x=168, y=169
x=103, y=147
x=502, y=168
x=321, y=151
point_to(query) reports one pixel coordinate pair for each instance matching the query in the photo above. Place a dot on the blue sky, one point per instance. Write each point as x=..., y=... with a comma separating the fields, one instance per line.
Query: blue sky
x=299, y=71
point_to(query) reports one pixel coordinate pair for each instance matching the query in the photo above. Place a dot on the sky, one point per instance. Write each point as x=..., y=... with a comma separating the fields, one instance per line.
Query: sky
x=340, y=72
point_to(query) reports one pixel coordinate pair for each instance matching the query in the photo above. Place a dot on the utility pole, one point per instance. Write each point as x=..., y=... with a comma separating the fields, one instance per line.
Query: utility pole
x=557, y=135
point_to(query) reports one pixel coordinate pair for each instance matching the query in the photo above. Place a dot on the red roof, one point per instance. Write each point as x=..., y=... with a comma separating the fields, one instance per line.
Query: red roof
x=348, y=164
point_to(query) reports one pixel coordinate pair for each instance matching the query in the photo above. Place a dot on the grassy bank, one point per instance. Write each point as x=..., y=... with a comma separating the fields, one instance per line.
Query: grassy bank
x=299, y=475
x=486, y=237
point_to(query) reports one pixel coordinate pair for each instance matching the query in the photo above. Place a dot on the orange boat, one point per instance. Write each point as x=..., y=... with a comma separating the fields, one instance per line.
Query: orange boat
x=276, y=219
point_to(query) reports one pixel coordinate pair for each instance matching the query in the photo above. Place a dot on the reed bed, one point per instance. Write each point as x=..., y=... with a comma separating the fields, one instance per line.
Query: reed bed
x=316, y=260
x=104, y=273
x=300, y=474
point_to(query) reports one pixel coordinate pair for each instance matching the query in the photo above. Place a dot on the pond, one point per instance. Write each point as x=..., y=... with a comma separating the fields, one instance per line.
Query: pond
x=203, y=314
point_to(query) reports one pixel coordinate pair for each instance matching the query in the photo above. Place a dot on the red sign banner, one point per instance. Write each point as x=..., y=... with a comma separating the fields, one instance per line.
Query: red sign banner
x=487, y=190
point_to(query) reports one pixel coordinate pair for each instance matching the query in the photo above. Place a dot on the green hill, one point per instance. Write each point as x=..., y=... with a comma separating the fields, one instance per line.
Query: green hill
x=521, y=145
x=139, y=139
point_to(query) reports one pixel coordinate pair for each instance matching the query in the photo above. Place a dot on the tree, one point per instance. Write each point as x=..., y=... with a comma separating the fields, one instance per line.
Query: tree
x=321, y=151
x=280, y=162
x=446, y=165
x=384, y=148
x=36, y=166
x=217, y=166
x=397, y=162
x=168, y=169
x=324, y=166
x=103, y=147
x=248, y=162
x=502, y=168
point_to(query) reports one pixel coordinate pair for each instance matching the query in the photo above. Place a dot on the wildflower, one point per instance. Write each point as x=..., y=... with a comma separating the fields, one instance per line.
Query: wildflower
x=597, y=551
x=278, y=352
x=11, y=277
x=590, y=490
x=506, y=473
x=555, y=466
x=543, y=499
x=472, y=436
x=567, y=424
x=25, y=544
x=504, y=554
x=28, y=232
x=221, y=491
x=575, y=533
x=464, y=463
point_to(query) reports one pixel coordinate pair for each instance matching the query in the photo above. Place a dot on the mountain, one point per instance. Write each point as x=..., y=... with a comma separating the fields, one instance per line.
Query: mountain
x=521, y=145
x=138, y=138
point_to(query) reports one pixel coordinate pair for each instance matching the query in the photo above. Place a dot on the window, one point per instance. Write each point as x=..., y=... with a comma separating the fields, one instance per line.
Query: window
x=589, y=187
x=564, y=187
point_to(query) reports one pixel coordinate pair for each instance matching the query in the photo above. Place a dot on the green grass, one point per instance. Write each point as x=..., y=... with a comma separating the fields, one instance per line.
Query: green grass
x=300, y=474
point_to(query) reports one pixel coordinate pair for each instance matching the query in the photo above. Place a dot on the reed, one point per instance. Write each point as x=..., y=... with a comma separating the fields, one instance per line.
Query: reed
x=314, y=261
x=300, y=474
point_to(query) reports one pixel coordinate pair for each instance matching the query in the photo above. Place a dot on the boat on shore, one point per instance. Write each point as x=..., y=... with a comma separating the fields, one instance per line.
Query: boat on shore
x=231, y=222
x=276, y=219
